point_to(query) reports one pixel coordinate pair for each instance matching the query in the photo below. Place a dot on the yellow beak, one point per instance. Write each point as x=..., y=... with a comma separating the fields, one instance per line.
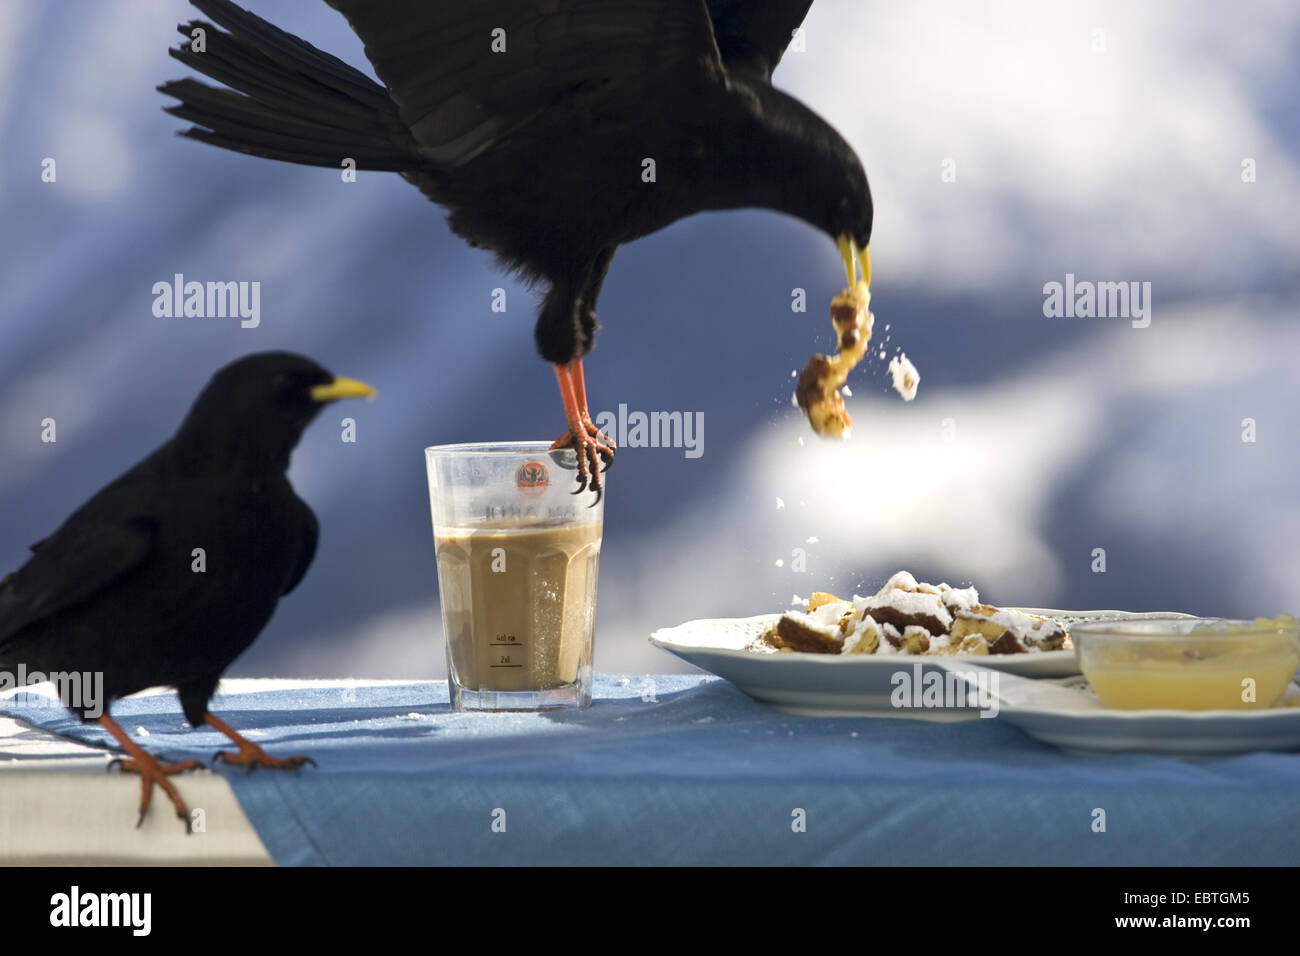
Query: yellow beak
x=341, y=388
x=848, y=251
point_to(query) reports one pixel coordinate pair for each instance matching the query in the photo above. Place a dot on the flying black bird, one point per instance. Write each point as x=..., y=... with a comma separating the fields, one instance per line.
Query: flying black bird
x=121, y=588
x=553, y=131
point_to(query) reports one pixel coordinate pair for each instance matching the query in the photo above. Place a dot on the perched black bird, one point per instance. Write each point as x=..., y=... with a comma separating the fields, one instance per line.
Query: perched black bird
x=121, y=587
x=552, y=130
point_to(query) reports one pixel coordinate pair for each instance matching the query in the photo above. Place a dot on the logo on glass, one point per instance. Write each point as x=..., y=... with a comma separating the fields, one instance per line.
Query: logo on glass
x=532, y=478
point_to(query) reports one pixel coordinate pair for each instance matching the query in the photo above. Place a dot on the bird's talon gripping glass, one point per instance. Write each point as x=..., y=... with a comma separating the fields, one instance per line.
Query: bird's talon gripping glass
x=517, y=564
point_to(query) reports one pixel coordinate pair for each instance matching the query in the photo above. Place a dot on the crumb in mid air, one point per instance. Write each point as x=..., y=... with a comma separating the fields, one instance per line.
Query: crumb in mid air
x=906, y=377
x=817, y=391
x=820, y=389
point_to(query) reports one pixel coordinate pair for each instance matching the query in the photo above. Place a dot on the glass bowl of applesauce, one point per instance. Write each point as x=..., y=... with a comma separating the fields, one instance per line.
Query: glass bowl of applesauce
x=1189, y=663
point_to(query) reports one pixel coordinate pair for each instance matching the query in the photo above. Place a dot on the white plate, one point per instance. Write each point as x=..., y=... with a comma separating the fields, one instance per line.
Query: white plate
x=1067, y=714
x=853, y=684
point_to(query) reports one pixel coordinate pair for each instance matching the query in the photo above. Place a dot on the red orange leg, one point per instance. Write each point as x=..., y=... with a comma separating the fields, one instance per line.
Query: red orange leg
x=250, y=755
x=150, y=770
x=580, y=391
x=583, y=436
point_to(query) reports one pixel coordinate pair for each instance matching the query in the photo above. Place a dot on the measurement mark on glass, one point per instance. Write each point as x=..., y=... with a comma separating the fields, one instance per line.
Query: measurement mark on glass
x=505, y=658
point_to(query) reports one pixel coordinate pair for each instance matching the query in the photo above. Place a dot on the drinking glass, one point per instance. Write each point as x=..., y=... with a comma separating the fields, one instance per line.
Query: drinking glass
x=517, y=555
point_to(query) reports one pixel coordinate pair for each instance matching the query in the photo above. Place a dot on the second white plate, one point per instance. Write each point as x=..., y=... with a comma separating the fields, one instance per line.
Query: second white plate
x=1067, y=714
x=854, y=684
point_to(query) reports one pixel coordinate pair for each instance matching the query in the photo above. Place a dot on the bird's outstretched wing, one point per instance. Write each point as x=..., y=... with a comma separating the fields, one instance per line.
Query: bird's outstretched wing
x=466, y=73
x=753, y=34
x=97, y=545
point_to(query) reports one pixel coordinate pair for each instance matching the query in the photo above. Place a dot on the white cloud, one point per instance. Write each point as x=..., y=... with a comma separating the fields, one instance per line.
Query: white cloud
x=405, y=643
x=1126, y=160
x=94, y=157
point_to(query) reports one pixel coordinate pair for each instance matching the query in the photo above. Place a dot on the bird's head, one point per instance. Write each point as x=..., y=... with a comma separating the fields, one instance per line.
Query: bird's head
x=853, y=213
x=252, y=413
x=799, y=164
x=848, y=195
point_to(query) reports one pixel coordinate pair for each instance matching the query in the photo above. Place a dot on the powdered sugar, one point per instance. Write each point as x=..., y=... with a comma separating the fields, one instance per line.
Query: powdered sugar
x=910, y=617
x=906, y=377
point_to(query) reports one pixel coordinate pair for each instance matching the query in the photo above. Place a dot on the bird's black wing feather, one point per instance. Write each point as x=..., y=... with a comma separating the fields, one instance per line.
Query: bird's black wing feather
x=287, y=100
x=310, y=536
x=100, y=542
x=459, y=97
x=753, y=34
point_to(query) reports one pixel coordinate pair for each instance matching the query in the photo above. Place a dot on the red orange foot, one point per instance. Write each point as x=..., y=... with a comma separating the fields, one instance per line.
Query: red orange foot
x=152, y=772
x=252, y=756
x=128, y=765
x=594, y=447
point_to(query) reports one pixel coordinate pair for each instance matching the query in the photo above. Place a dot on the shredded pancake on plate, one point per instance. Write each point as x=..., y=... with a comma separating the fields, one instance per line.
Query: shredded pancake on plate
x=910, y=617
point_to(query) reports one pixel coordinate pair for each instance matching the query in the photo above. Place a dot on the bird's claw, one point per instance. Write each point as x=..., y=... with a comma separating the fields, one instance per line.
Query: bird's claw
x=593, y=448
x=254, y=757
x=129, y=765
x=184, y=818
x=582, y=486
x=157, y=774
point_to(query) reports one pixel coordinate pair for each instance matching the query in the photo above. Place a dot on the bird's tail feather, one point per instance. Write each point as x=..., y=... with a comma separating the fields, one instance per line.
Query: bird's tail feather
x=287, y=99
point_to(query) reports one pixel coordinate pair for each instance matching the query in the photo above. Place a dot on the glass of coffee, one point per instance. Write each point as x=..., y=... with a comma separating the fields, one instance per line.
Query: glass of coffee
x=517, y=560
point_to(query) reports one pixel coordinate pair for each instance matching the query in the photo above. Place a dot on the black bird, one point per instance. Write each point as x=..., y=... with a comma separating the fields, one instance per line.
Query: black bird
x=553, y=131
x=121, y=588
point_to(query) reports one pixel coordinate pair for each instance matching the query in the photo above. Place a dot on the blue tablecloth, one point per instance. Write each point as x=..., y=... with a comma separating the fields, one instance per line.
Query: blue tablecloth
x=687, y=770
